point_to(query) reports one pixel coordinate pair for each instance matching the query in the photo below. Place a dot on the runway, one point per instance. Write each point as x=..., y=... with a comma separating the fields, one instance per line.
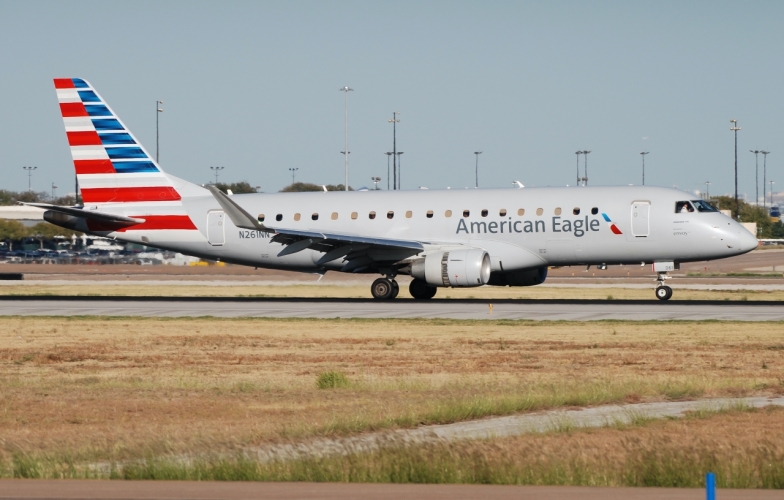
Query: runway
x=471, y=309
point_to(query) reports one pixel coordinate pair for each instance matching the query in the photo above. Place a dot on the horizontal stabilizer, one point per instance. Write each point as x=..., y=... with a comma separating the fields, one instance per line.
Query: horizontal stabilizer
x=87, y=214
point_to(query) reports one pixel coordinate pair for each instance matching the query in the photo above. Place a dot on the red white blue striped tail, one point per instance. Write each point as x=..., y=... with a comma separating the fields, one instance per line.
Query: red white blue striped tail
x=111, y=165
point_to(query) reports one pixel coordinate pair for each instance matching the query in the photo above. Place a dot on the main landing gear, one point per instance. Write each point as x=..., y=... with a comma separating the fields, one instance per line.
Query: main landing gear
x=420, y=290
x=663, y=292
x=384, y=288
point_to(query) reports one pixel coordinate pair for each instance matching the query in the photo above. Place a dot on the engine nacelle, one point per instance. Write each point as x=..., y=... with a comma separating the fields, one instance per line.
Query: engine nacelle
x=529, y=277
x=455, y=268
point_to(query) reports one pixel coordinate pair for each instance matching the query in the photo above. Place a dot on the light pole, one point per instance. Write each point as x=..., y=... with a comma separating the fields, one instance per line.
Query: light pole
x=476, y=172
x=585, y=179
x=158, y=111
x=375, y=180
x=771, y=193
x=345, y=152
x=707, y=189
x=399, y=170
x=388, y=155
x=643, y=165
x=216, y=170
x=735, y=129
x=293, y=174
x=756, y=175
x=764, y=174
x=578, y=153
x=53, y=189
x=29, y=177
x=394, y=121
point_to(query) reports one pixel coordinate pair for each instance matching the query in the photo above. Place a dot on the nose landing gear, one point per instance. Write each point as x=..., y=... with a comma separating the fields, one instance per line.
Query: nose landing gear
x=663, y=292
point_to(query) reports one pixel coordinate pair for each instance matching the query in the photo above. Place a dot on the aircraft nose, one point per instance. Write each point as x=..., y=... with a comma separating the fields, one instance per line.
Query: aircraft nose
x=745, y=240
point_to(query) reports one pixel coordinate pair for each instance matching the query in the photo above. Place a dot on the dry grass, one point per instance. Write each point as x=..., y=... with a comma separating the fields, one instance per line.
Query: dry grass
x=363, y=291
x=94, y=388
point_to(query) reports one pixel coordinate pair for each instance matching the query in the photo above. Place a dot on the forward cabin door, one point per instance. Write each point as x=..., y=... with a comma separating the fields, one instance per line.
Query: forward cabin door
x=215, y=228
x=641, y=226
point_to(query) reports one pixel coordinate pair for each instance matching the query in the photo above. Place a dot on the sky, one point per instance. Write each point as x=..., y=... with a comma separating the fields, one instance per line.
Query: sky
x=254, y=87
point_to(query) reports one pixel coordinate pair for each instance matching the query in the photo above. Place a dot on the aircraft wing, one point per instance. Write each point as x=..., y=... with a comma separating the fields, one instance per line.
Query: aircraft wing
x=360, y=252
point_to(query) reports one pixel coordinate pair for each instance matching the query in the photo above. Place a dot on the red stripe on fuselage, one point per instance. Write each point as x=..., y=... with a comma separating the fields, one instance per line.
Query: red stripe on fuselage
x=93, y=167
x=85, y=138
x=63, y=83
x=615, y=229
x=72, y=109
x=120, y=194
x=161, y=222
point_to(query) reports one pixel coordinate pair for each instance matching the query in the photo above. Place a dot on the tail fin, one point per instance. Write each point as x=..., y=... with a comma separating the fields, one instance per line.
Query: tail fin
x=111, y=165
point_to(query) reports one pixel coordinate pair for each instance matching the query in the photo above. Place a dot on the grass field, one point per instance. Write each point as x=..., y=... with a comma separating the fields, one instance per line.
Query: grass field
x=363, y=291
x=78, y=390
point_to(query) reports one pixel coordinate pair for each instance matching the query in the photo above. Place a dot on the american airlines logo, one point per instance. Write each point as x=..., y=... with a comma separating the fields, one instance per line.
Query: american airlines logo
x=578, y=227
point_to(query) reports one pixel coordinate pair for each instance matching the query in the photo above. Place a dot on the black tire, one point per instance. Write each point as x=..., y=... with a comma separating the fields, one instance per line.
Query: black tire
x=663, y=293
x=669, y=292
x=420, y=290
x=395, y=289
x=382, y=288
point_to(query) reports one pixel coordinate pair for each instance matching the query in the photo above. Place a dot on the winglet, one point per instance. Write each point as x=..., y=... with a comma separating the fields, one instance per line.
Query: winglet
x=236, y=213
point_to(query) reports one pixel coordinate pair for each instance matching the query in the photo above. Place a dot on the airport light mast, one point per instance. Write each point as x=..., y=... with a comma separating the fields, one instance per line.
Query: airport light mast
x=585, y=179
x=735, y=129
x=29, y=177
x=216, y=170
x=476, y=173
x=293, y=174
x=643, y=165
x=394, y=121
x=707, y=189
x=399, y=171
x=346, y=152
x=158, y=111
x=389, y=153
x=756, y=175
x=764, y=175
x=578, y=153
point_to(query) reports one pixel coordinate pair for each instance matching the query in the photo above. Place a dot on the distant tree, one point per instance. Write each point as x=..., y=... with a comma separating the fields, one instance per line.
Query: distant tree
x=236, y=187
x=11, y=197
x=301, y=187
x=12, y=230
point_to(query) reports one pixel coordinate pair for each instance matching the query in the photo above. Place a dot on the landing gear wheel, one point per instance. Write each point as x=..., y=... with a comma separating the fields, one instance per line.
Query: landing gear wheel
x=382, y=288
x=395, y=289
x=663, y=293
x=419, y=289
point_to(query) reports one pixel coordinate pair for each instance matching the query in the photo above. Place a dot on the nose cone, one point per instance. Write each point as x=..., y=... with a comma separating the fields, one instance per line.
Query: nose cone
x=746, y=242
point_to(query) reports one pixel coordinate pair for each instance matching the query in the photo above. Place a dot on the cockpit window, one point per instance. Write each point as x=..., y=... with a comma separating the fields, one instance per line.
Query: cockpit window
x=683, y=207
x=703, y=206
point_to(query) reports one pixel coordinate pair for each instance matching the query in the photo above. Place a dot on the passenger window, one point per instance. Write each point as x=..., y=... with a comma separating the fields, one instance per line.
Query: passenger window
x=429, y=214
x=539, y=211
x=279, y=217
x=390, y=214
x=261, y=218
x=296, y=216
x=520, y=212
x=703, y=206
x=594, y=211
x=466, y=213
x=409, y=214
x=558, y=211
x=448, y=214
x=502, y=212
x=353, y=215
x=683, y=207
x=372, y=215
x=484, y=212
x=334, y=216
x=575, y=211
x=314, y=216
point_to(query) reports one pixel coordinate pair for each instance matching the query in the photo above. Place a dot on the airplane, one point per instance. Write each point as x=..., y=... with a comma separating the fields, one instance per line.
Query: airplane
x=442, y=238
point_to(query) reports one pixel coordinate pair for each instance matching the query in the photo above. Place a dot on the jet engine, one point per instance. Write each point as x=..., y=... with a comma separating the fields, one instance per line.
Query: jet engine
x=455, y=268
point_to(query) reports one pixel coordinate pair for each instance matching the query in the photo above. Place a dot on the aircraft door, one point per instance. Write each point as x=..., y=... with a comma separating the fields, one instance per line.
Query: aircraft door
x=640, y=225
x=215, y=228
